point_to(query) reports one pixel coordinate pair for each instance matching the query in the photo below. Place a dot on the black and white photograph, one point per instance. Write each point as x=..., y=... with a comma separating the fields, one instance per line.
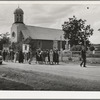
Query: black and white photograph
x=51, y=46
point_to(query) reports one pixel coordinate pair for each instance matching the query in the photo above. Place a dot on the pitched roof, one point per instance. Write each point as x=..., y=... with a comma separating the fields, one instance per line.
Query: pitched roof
x=26, y=31
x=44, y=33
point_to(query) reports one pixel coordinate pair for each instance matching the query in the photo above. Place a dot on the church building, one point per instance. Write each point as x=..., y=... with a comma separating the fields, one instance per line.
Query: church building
x=45, y=38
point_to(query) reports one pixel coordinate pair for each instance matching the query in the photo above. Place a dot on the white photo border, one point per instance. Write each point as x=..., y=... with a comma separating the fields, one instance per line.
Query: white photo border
x=49, y=94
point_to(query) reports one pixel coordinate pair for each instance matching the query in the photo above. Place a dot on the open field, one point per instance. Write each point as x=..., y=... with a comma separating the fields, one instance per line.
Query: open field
x=34, y=77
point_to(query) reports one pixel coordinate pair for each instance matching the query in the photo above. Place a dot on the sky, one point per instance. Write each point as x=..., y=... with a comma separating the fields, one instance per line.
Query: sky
x=52, y=16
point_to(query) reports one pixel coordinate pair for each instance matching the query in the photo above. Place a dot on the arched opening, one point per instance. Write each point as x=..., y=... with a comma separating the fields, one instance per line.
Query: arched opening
x=13, y=34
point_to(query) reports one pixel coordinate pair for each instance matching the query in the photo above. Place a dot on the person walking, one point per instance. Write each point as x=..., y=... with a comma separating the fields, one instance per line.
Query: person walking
x=30, y=56
x=56, y=57
x=7, y=56
x=51, y=56
x=4, y=55
x=12, y=55
x=83, y=55
x=16, y=56
x=48, y=62
x=25, y=57
x=42, y=56
x=46, y=57
x=21, y=57
x=36, y=55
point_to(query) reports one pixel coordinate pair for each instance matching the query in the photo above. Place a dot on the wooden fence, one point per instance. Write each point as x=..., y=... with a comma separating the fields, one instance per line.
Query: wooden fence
x=77, y=54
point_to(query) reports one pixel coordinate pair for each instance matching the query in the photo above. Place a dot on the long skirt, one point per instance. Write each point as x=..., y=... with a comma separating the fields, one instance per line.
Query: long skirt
x=46, y=59
x=51, y=58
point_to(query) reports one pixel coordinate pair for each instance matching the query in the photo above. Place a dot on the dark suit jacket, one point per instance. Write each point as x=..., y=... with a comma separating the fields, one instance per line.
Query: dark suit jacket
x=83, y=53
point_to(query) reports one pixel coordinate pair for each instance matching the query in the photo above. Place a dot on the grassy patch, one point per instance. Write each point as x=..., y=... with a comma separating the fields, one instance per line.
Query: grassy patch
x=45, y=81
x=12, y=85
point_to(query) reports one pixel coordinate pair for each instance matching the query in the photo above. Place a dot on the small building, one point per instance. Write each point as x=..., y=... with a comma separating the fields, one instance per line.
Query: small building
x=43, y=37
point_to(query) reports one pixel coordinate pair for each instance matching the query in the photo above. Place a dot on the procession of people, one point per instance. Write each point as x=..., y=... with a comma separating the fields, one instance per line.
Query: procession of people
x=47, y=57
x=14, y=56
x=41, y=56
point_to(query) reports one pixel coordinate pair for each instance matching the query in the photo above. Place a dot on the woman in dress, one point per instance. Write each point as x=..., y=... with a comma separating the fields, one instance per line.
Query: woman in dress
x=51, y=56
x=46, y=57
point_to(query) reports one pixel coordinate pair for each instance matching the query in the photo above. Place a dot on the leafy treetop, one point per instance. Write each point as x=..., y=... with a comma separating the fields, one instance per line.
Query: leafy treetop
x=77, y=32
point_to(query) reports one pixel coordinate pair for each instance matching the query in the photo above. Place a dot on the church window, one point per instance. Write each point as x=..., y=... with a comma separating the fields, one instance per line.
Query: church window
x=19, y=17
x=13, y=34
x=25, y=47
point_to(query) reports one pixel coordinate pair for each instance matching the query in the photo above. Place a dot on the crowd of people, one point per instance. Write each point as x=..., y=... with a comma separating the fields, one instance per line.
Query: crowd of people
x=42, y=56
x=47, y=57
x=15, y=56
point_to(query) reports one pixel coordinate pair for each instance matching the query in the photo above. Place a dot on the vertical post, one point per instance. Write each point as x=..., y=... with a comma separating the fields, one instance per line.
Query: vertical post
x=67, y=46
x=55, y=44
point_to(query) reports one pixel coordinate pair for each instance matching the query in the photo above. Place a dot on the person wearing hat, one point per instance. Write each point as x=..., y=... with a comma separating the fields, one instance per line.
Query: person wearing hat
x=83, y=55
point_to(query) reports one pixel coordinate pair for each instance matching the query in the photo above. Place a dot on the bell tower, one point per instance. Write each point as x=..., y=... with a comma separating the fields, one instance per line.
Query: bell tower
x=18, y=26
x=18, y=15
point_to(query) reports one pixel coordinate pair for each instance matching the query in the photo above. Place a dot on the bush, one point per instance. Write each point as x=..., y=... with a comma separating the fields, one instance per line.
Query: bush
x=76, y=48
x=70, y=58
x=92, y=48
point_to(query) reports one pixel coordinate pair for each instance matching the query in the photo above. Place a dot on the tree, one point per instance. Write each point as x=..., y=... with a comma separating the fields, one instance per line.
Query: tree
x=18, y=46
x=77, y=32
x=4, y=39
x=76, y=48
x=31, y=42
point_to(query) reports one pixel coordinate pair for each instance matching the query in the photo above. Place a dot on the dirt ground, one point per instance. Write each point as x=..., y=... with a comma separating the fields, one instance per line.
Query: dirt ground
x=63, y=77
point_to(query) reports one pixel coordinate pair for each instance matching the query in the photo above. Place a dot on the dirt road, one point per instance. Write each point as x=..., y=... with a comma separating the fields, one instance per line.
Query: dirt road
x=68, y=69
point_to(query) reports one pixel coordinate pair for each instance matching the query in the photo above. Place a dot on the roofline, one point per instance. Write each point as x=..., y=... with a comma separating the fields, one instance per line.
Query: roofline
x=47, y=40
x=44, y=27
x=18, y=23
